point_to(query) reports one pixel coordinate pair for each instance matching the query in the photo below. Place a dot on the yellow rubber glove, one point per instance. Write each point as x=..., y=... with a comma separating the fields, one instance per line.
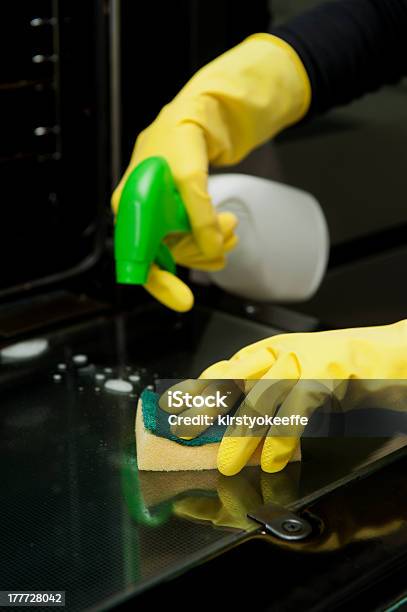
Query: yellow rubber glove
x=229, y=107
x=171, y=290
x=307, y=361
x=295, y=374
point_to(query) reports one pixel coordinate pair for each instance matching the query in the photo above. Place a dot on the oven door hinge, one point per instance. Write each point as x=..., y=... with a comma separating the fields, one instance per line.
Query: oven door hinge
x=282, y=523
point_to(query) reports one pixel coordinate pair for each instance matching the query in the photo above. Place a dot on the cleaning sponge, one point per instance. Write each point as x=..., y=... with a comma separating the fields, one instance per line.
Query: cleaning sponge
x=159, y=450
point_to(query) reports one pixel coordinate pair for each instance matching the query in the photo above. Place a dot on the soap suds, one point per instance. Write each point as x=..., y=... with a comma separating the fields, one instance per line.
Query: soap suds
x=80, y=359
x=24, y=350
x=117, y=385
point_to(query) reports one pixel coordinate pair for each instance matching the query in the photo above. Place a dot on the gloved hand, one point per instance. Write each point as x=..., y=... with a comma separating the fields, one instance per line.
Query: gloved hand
x=295, y=374
x=232, y=105
x=171, y=290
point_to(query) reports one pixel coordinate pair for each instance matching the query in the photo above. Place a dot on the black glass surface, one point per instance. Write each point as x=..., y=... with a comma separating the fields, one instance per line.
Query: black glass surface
x=76, y=515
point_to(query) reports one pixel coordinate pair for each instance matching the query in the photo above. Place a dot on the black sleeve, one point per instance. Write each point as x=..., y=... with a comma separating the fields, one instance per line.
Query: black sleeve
x=349, y=48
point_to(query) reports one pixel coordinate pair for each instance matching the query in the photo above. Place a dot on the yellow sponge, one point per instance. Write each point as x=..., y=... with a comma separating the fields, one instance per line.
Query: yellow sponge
x=162, y=455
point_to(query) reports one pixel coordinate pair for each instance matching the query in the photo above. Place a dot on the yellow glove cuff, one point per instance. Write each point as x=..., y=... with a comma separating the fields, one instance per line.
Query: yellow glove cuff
x=299, y=67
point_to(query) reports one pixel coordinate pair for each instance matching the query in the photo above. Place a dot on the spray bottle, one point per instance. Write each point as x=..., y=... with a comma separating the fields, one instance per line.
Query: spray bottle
x=283, y=239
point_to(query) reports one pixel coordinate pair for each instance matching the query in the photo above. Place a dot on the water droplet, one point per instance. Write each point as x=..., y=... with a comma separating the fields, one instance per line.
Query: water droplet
x=100, y=376
x=57, y=377
x=80, y=359
x=108, y=370
x=135, y=378
x=118, y=386
x=61, y=366
x=24, y=350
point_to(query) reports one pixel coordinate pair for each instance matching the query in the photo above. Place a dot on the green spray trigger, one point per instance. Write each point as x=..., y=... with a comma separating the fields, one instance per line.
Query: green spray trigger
x=150, y=208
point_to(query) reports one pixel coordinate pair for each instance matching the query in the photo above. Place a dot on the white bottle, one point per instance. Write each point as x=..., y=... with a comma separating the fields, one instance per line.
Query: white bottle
x=283, y=239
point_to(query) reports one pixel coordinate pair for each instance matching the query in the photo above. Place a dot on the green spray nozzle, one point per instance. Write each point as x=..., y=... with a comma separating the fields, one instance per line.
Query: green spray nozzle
x=150, y=208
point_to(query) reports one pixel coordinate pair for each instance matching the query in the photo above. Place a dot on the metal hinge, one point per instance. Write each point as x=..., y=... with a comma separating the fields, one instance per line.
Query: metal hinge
x=282, y=523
